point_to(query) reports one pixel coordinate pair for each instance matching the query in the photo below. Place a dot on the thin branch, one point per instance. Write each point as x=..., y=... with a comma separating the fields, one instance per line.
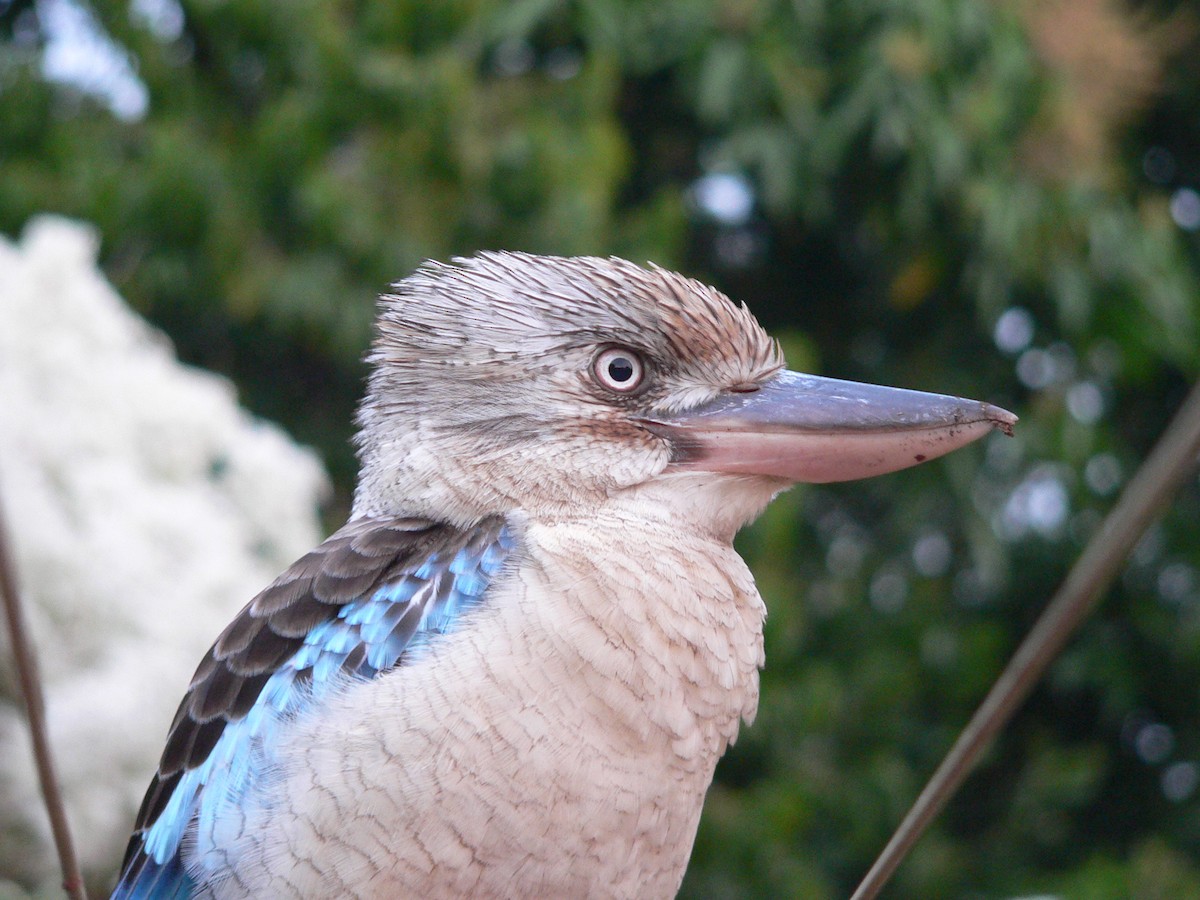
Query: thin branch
x=1144, y=498
x=25, y=661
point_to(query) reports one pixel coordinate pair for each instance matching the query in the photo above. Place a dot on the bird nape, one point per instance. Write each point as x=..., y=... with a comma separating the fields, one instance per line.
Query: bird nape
x=513, y=670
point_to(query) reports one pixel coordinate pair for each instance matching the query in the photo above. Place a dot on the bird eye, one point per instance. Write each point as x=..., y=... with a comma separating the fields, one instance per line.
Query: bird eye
x=619, y=369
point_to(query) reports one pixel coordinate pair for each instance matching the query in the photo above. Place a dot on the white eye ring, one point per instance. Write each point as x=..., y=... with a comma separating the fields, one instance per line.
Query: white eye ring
x=619, y=369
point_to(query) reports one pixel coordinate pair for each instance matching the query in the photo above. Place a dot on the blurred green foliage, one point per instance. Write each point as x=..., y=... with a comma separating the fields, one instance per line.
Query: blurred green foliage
x=980, y=198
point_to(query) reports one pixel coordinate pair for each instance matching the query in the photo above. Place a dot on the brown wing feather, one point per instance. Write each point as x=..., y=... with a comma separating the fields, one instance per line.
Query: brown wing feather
x=347, y=566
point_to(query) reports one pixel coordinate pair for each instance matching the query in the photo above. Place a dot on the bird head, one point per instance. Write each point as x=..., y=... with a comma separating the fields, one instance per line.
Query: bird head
x=509, y=382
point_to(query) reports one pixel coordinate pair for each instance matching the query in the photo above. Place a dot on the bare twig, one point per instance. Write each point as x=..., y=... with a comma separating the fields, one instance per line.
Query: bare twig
x=25, y=661
x=1144, y=498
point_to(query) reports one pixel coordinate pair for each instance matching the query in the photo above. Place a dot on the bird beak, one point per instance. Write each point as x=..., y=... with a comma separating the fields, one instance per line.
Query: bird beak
x=804, y=428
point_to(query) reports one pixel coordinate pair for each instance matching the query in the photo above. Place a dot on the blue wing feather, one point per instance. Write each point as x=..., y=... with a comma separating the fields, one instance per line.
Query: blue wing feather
x=422, y=586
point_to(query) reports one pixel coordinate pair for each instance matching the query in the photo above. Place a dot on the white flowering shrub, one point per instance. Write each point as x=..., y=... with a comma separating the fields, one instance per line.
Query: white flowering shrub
x=145, y=508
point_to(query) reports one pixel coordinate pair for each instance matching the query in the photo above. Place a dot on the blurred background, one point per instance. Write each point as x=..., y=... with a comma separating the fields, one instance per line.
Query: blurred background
x=995, y=200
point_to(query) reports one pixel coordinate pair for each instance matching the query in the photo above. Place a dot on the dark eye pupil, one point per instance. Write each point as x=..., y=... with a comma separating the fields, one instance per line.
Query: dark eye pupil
x=620, y=369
